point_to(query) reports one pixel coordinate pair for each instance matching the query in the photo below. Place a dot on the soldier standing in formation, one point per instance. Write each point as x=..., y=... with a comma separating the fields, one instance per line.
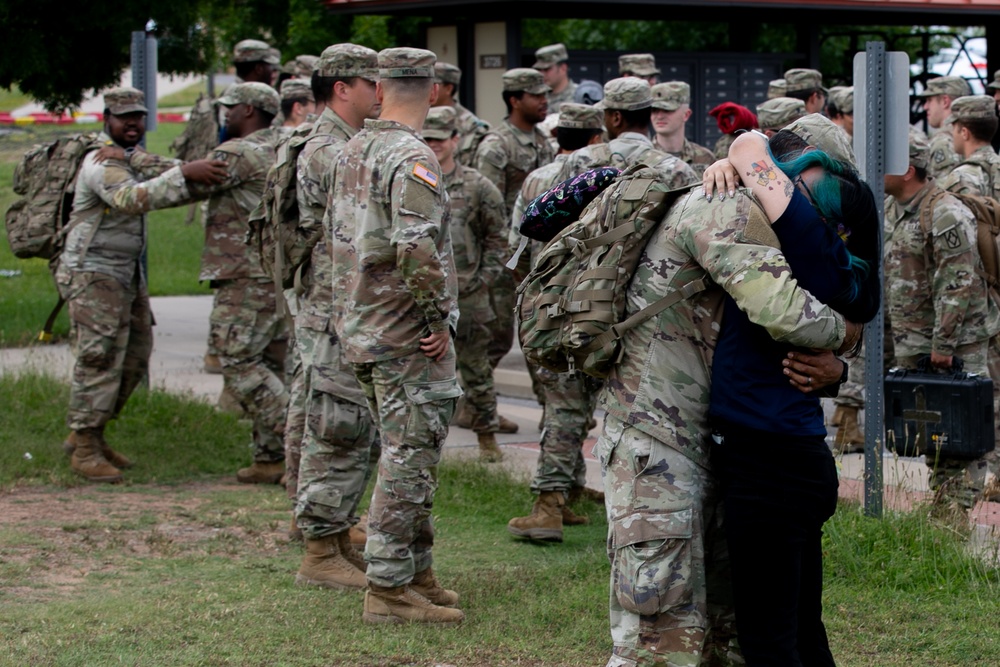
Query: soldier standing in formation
x=670, y=114
x=471, y=129
x=642, y=65
x=553, y=62
x=840, y=108
x=973, y=124
x=938, y=97
x=396, y=303
x=806, y=85
x=297, y=104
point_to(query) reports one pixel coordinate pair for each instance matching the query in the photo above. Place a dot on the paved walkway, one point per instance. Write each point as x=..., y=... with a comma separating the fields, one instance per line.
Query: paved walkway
x=176, y=366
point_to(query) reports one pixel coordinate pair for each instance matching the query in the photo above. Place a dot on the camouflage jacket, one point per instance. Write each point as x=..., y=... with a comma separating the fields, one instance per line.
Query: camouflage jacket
x=976, y=175
x=661, y=384
x=478, y=238
x=555, y=99
x=507, y=155
x=314, y=173
x=471, y=130
x=695, y=156
x=722, y=145
x=108, y=233
x=625, y=150
x=394, y=271
x=935, y=300
x=943, y=157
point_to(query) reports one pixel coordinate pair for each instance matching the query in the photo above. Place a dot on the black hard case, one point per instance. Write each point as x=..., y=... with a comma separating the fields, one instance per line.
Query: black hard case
x=939, y=414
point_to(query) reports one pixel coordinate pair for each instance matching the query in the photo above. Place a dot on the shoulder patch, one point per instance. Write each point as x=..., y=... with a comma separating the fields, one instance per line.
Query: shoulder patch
x=425, y=175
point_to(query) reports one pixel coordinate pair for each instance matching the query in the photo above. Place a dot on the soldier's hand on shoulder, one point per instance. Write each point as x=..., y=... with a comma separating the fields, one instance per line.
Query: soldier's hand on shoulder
x=208, y=172
x=112, y=152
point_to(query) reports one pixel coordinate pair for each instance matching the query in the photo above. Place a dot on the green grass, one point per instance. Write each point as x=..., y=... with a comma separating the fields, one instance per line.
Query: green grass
x=174, y=245
x=12, y=98
x=185, y=97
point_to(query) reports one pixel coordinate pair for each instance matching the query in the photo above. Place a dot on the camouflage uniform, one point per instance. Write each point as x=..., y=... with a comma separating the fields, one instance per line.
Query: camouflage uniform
x=670, y=598
x=671, y=96
x=471, y=128
x=549, y=56
x=478, y=238
x=943, y=157
x=505, y=157
x=394, y=283
x=776, y=113
x=101, y=278
x=642, y=65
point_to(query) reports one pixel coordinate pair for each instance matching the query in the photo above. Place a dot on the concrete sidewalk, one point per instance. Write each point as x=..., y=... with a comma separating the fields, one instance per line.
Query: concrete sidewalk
x=176, y=366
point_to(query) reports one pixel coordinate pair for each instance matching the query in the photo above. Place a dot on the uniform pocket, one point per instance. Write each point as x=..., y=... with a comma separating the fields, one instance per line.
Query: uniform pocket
x=430, y=409
x=652, y=569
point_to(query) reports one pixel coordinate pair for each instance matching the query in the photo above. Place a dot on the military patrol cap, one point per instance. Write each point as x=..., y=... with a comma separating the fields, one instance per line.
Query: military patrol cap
x=296, y=89
x=447, y=73
x=779, y=112
x=254, y=50
x=671, y=95
x=580, y=116
x=301, y=66
x=953, y=86
x=123, y=100
x=345, y=61
x=626, y=93
x=550, y=55
x=801, y=80
x=439, y=124
x=842, y=97
x=819, y=131
x=405, y=62
x=974, y=107
x=524, y=79
x=995, y=83
x=640, y=64
x=920, y=148
x=254, y=93
x=776, y=88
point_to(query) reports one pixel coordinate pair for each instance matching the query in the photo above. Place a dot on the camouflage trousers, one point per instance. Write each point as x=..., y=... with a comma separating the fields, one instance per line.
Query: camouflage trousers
x=671, y=591
x=502, y=300
x=413, y=400
x=471, y=347
x=112, y=339
x=251, y=340
x=295, y=418
x=961, y=481
x=570, y=401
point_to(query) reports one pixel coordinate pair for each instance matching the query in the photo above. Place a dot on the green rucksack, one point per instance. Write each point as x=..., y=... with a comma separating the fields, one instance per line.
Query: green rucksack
x=571, y=306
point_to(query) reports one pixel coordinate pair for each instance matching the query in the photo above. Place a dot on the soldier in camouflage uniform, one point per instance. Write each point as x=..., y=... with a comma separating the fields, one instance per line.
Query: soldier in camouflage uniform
x=505, y=157
x=642, y=65
x=776, y=88
x=627, y=107
x=103, y=281
x=776, y=113
x=338, y=438
x=396, y=297
x=840, y=108
x=471, y=128
x=478, y=228
x=553, y=62
x=973, y=124
x=806, y=85
x=938, y=98
x=569, y=398
x=669, y=117
x=938, y=304
x=297, y=105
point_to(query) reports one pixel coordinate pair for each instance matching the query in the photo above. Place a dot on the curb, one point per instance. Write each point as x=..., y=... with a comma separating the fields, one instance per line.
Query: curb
x=7, y=118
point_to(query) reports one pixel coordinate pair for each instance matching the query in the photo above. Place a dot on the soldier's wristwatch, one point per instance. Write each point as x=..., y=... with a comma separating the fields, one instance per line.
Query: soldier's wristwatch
x=129, y=152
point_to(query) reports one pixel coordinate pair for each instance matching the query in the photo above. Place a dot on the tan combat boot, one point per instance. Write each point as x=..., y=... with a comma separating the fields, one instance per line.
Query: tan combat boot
x=325, y=565
x=116, y=459
x=294, y=532
x=404, y=605
x=545, y=521
x=348, y=551
x=569, y=517
x=849, y=438
x=489, y=451
x=261, y=473
x=212, y=365
x=507, y=425
x=463, y=416
x=88, y=460
x=426, y=584
x=359, y=532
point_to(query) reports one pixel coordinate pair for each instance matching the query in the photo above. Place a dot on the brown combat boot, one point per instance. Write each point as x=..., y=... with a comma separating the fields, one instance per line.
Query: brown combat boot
x=426, y=584
x=212, y=365
x=358, y=533
x=489, y=451
x=230, y=402
x=325, y=565
x=348, y=551
x=545, y=521
x=294, y=532
x=404, y=605
x=116, y=459
x=849, y=438
x=88, y=460
x=261, y=473
x=569, y=517
x=507, y=425
x=463, y=416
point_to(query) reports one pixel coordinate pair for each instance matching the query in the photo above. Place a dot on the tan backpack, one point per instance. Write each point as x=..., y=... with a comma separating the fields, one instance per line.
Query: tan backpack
x=987, y=212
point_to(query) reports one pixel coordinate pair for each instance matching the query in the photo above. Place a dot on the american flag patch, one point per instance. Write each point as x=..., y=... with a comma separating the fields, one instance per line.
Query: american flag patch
x=425, y=175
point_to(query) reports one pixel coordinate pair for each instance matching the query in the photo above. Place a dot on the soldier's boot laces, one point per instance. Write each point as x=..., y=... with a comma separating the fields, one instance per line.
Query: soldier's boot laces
x=350, y=552
x=425, y=583
x=569, y=517
x=489, y=451
x=117, y=459
x=261, y=472
x=88, y=460
x=545, y=521
x=405, y=605
x=849, y=438
x=325, y=565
